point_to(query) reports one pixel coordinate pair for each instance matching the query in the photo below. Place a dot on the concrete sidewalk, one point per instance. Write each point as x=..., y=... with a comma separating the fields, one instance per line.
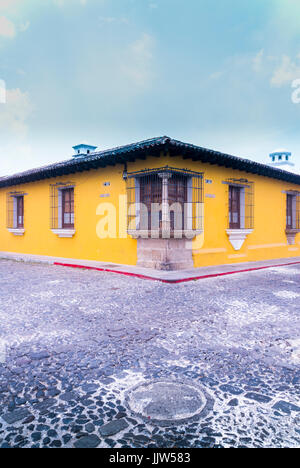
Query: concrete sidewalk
x=155, y=275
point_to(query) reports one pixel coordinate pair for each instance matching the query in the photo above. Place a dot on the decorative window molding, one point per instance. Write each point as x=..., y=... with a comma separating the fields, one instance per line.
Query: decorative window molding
x=64, y=233
x=237, y=237
x=291, y=236
x=16, y=232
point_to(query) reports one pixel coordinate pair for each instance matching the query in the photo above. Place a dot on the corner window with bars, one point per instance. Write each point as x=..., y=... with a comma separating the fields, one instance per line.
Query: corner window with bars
x=240, y=204
x=62, y=206
x=165, y=200
x=293, y=211
x=15, y=210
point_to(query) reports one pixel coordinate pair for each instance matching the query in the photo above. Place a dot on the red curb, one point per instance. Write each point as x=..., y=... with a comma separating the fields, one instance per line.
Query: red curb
x=185, y=280
x=124, y=273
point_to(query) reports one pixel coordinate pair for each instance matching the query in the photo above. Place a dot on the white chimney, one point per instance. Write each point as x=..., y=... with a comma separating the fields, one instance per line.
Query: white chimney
x=281, y=158
x=83, y=150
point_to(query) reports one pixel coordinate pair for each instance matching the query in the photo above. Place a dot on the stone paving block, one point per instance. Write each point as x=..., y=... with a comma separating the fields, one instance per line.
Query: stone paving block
x=286, y=407
x=114, y=427
x=88, y=442
x=15, y=416
x=258, y=397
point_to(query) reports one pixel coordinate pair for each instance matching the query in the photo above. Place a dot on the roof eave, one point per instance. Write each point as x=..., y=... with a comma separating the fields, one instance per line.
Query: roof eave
x=141, y=151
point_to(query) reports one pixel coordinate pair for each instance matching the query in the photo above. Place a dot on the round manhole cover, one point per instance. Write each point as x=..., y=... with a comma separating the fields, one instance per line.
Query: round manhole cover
x=165, y=402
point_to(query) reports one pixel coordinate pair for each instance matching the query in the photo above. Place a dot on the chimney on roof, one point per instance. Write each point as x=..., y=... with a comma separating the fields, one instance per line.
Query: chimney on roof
x=281, y=158
x=83, y=150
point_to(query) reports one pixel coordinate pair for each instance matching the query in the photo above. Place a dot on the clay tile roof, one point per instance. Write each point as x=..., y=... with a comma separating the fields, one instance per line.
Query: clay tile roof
x=141, y=150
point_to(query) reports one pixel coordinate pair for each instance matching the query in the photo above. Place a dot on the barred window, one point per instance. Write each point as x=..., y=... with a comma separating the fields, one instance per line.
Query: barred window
x=20, y=211
x=240, y=204
x=68, y=208
x=62, y=206
x=151, y=197
x=15, y=210
x=178, y=195
x=165, y=200
x=235, y=207
x=293, y=211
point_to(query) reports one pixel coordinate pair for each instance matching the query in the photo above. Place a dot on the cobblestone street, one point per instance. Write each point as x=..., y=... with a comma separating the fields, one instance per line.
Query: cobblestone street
x=74, y=342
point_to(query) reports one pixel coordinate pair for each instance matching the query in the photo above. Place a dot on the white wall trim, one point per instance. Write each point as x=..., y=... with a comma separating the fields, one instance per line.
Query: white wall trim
x=237, y=237
x=17, y=232
x=67, y=233
x=157, y=234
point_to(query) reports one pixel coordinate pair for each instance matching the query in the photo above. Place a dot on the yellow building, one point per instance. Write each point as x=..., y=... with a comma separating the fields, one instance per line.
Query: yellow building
x=159, y=203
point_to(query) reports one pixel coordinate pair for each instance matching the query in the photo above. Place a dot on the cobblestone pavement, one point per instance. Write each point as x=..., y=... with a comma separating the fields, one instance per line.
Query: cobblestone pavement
x=73, y=342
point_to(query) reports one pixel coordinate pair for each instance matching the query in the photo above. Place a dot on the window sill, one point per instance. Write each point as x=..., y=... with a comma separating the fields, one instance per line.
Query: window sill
x=64, y=233
x=292, y=231
x=17, y=232
x=159, y=234
x=237, y=237
x=291, y=235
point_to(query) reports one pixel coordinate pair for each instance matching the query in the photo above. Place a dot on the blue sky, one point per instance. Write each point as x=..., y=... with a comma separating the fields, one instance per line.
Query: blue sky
x=217, y=73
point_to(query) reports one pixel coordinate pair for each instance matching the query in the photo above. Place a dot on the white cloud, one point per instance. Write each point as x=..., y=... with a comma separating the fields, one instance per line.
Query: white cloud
x=14, y=114
x=24, y=26
x=62, y=3
x=7, y=28
x=217, y=75
x=5, y=4
x=113, y=19
x=258, y=61
x=281, y=70
x=286, y=72
x=2, y=92
x=139, y=61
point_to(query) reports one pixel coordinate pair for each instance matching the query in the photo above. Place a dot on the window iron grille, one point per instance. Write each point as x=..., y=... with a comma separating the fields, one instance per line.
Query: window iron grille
x=244, y=218
x=145, y=198
x=12, y=221
x=298, y=211
x=293, y=210
x=56, y=205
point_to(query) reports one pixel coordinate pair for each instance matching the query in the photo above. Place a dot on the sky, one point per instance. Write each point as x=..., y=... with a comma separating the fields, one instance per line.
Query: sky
x=216, y=73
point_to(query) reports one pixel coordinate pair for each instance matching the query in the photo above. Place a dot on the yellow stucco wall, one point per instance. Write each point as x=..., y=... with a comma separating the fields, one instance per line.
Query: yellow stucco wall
x=85, y=245
x=268, y=240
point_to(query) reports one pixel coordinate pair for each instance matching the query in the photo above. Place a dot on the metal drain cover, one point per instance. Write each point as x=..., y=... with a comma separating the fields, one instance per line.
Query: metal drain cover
x=169, y=402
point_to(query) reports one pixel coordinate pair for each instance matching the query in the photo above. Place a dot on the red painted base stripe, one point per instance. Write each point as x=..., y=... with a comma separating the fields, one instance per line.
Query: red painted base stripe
x=185, y=280
x=124, y=273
